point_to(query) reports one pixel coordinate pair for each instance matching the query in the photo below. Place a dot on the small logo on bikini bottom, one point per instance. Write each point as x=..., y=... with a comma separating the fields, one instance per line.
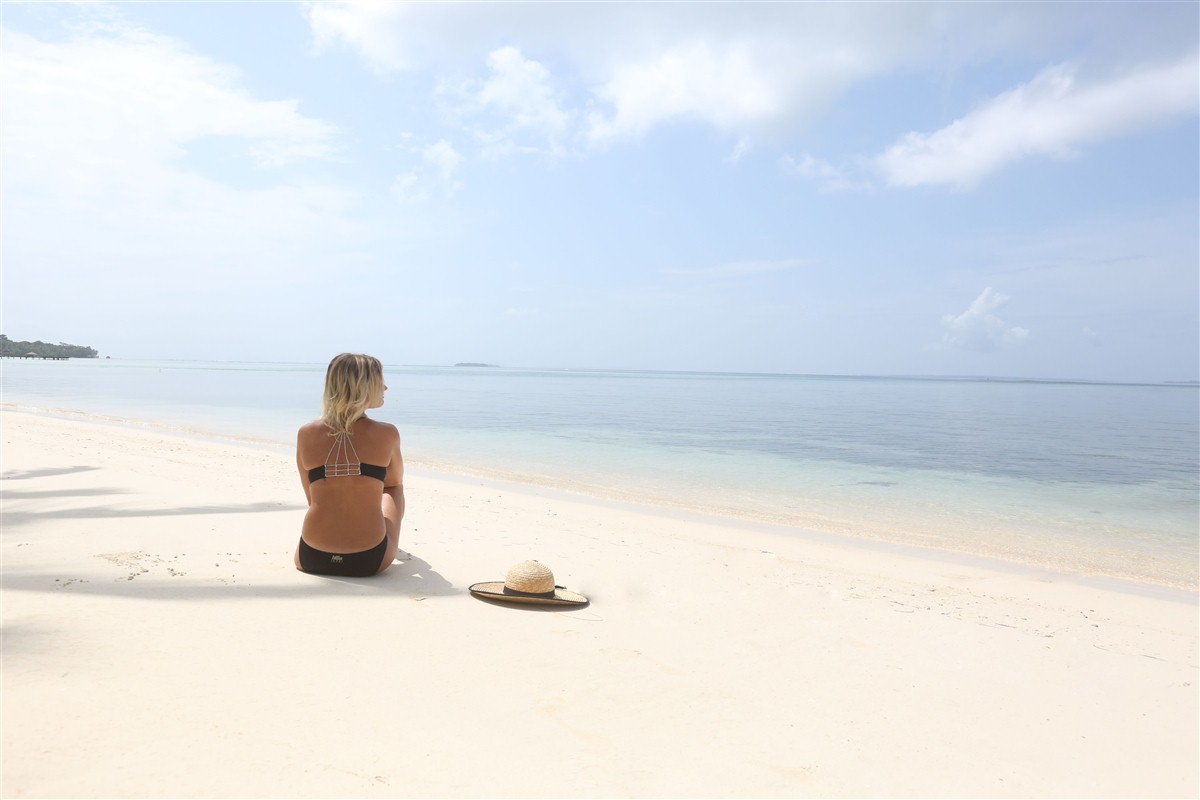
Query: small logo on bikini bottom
x=335, y=560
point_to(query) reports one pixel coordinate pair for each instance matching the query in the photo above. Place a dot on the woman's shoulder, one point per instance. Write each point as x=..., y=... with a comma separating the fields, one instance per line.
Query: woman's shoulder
x=312, y=430
x=380, y=429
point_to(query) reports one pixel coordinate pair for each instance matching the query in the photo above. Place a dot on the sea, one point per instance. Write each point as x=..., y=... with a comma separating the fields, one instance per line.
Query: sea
x=1087, y=479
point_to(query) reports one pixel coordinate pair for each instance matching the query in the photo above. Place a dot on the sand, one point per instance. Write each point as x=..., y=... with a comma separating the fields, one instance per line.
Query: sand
x=157, y=642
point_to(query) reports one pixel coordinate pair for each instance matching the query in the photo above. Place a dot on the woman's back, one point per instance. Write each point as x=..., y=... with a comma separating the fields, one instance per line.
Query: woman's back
x=343, y=477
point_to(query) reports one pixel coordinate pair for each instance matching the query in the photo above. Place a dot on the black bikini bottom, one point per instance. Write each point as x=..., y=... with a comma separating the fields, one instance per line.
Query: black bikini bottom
x=347, y=565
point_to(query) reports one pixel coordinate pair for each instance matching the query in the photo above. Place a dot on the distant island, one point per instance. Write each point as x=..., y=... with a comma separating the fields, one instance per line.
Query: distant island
x=472, y=364
x=14, y=349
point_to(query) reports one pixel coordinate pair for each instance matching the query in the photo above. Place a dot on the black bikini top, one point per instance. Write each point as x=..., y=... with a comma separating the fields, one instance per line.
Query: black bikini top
x=338, y=463
x=344, y=470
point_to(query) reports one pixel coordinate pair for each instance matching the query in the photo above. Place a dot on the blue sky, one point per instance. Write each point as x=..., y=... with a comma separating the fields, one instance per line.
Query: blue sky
x=1005, y=189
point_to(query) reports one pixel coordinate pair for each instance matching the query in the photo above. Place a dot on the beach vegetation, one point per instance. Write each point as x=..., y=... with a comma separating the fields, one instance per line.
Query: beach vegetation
x=13, y=348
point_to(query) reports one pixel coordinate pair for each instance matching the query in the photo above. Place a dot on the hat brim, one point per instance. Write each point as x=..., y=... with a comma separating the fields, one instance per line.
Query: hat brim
x=495, y=590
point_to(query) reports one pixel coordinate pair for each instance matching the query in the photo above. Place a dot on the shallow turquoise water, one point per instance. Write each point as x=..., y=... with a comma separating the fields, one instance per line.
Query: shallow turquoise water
x=1090, y=478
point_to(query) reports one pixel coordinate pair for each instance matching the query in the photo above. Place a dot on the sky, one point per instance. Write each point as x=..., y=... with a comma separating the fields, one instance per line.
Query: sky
x=1007, y=189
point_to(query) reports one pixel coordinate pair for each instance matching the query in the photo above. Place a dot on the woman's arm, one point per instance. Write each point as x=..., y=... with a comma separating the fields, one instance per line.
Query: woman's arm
x=303, y=472
x=393, y=483
x=396, y=493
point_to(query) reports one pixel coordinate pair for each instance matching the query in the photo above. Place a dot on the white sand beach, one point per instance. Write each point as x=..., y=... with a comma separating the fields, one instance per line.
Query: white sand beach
x=158, y=642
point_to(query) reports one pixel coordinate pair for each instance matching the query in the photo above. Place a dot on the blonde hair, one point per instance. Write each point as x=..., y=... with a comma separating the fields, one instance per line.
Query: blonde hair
x=353, y=383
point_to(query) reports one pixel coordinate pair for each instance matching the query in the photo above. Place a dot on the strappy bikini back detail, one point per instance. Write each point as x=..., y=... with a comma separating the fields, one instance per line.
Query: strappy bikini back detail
x=342, y=461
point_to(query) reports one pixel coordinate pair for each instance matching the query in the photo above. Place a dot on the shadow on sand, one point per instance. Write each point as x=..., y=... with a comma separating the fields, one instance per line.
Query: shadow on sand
x=16, y=517
x=26, y=474
x=155, y=577
x=535, y=607
x=164, y=576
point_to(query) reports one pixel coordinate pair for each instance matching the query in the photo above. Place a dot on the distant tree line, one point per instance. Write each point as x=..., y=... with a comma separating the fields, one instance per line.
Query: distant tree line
x=8, y=347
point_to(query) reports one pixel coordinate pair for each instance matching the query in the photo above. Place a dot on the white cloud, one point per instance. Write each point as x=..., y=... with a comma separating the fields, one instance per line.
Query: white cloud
x=743, y=68
x=809, y=167
x=829, y=177
x=741, y=149
x=978, y=328
x=438, y=170
x=375, y=28
x=136, y=96
x=520, y=93
x=726, y=87
x=98, y=137
x=764, y=70
x=1049, y=116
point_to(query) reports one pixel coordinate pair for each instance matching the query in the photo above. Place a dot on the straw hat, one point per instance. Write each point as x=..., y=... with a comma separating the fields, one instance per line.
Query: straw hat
x=528, y=582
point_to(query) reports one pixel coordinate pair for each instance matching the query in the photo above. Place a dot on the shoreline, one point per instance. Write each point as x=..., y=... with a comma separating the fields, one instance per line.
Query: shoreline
x=850, y=532
x=159, y=642
x=846, y=541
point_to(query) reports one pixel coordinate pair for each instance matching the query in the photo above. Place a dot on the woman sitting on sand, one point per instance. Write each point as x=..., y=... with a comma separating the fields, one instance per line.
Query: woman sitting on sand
x=353, y=476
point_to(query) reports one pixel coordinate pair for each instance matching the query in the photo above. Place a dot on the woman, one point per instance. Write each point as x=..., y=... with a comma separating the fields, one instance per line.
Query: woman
x=353, y=476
